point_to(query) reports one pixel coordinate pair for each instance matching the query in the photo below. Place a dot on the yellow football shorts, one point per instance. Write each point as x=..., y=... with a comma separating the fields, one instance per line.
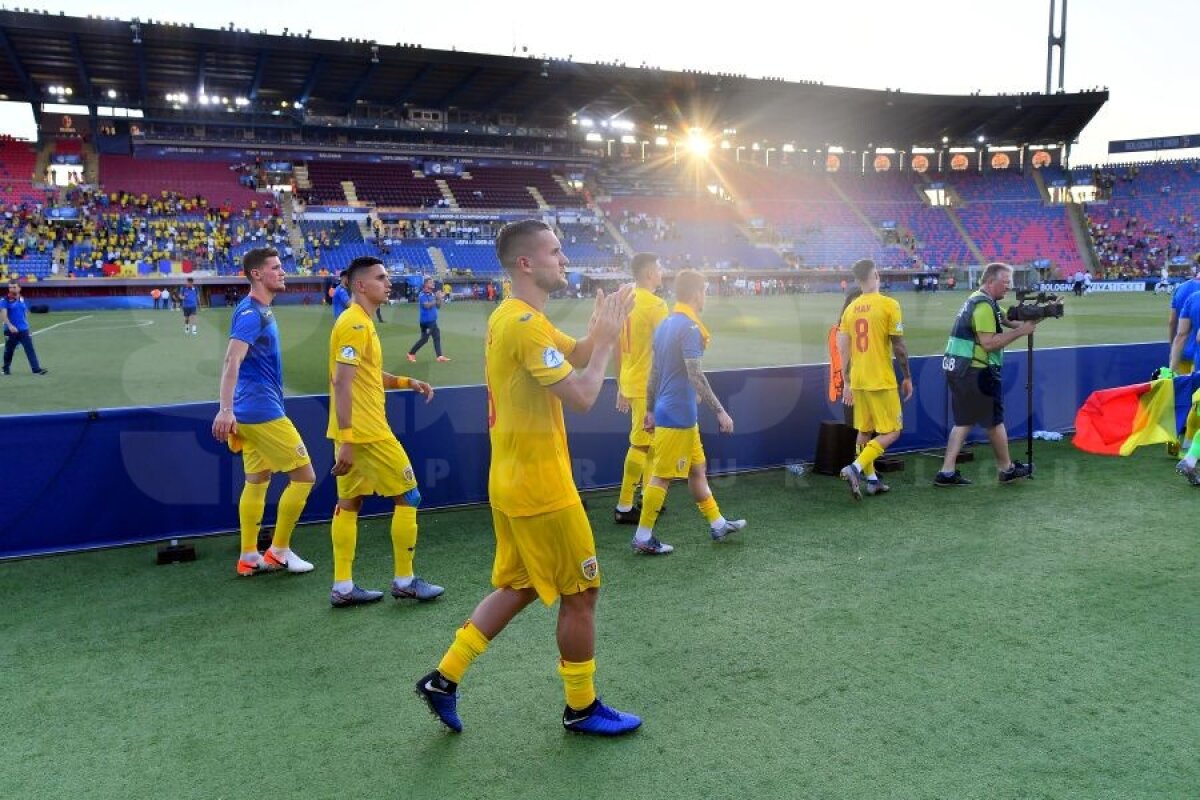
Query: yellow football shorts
x=638, y=436
x=1185, y=367
x=877, y=410
x=273, y=446
x=380, y=468
x=554, y=554
x=676, y=450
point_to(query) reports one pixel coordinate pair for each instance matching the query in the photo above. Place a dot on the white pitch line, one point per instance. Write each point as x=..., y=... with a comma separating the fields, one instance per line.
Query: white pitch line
x=60, y=324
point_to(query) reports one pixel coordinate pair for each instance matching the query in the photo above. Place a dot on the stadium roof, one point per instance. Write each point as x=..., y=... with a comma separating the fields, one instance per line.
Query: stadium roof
x=141, y=62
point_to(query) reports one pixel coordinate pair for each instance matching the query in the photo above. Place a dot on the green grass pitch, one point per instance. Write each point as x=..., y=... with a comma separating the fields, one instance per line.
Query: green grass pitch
x=1029, y=641
x=108, y=359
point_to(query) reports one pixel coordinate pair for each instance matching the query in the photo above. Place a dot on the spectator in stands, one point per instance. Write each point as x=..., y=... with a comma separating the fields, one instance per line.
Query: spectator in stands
x=14, y=318
x=429, y=302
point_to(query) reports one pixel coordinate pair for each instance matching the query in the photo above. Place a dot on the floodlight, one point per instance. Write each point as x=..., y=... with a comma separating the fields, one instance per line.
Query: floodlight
x=698, y=143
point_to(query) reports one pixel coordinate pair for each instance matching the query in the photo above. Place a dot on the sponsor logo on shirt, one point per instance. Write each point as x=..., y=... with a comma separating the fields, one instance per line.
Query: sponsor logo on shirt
x=899, y=327
x=552, y=358
x=348, y=352
x=408, y=474
x=525, y=317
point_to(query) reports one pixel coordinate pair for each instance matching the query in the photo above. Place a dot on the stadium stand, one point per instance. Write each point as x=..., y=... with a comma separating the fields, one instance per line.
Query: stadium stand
x=214, y=181
x=384, y=184
x=17, y=162
x=1148, y=219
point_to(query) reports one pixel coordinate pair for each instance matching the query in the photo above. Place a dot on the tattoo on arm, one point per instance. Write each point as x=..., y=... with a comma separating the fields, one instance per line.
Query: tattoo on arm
x=652, y=386
x=700, y=383
x=900, y=349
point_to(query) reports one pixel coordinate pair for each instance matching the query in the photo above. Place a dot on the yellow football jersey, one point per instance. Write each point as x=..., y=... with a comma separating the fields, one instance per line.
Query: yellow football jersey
x=531, y=469
x=354, y=341
x=637, y=341
x=870, y=322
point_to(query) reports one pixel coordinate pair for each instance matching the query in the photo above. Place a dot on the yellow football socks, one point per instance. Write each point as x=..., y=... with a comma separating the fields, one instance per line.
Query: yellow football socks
x=653, y=498
x=404, y=539
x=866, y=459
x=577, y=682
x=250, y=513
x=635, y=465
x=648, y=471
x=468, y=645
x=291, y=505
x=1192, y=424
x=708, y=507
x=345, y=537
x=868, y=472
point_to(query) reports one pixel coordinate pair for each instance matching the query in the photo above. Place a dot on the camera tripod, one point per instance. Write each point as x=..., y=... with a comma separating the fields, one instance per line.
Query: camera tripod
x=1029, y=406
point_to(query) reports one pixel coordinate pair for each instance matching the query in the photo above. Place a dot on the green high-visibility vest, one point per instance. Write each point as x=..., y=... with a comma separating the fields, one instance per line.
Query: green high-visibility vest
x=960, y=350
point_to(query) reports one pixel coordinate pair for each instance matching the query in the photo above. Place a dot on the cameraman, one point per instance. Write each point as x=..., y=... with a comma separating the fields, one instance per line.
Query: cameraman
x=974, y=355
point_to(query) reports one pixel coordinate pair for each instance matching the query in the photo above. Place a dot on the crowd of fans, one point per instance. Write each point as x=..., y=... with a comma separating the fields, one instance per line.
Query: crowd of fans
x=1144, y=225
x=118, y=233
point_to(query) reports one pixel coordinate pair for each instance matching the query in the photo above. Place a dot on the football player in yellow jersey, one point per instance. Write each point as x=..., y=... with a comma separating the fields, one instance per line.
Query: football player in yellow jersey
x=633, y=368
x=544, y=545
x=870, y=333
x=368, y=457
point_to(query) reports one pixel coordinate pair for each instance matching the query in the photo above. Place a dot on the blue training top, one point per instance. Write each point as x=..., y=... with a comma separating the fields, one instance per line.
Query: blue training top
x=1183, y=292
x=16, y=312
x=341, y=300
x=428, y=315
x=259, y=393
x=190, y=297
x=1191, y=311
x=675, y=339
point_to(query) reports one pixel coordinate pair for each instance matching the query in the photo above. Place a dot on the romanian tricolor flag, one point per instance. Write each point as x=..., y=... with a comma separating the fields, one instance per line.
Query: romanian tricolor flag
x=1115, y=422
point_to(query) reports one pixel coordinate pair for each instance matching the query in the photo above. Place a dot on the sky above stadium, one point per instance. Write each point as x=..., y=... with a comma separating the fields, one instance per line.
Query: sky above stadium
x=1144, y=52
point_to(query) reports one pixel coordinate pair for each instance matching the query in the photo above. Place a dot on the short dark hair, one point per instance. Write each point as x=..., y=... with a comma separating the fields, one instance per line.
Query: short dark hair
x=862, y=269
x=688, y=282
x=358, y=265
x=513, y=236
x=643, y=262
x=190, y=281
x=256, y=258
